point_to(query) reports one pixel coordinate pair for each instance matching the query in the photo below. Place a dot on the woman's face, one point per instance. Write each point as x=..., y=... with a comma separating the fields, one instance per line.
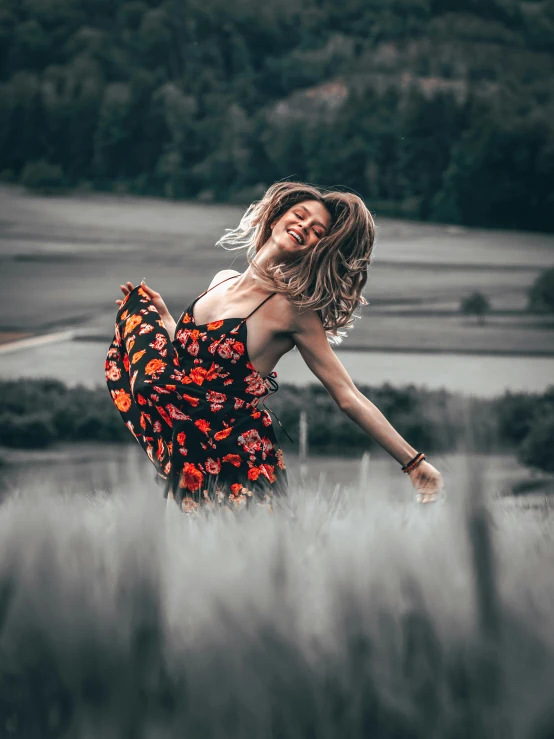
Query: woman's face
x=300, y=228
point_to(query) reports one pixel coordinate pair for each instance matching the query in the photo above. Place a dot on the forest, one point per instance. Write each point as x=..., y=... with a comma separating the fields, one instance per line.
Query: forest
x=437, y=110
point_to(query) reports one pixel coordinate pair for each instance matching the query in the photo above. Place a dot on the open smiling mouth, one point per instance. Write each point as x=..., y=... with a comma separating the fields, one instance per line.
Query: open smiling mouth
x=296, y=237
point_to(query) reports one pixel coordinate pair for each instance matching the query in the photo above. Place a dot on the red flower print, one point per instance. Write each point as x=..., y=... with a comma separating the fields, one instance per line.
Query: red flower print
x=238, y=346
x=236, y=487
x=175, y=413
x=113, y=372
x=269, y=471
x=142, y=292
x=203, y=425
x=253, y=473
x=280, y=459
x=214, y=325
x=250, y=441
x=266, y=420
x=223, y=434
x=145, y=329
x=225, y=350
x=154, y=367
x=181, y=436
x=159, y=342
x=122, y=400
x=256, y=414
x=157, y=427
x=133, y=380
x=126, y=362
x=213, y=466
x=214, y=372
x=189, y=505
x=140, y=399
x=213, y=397
x=125, y=312
x=191, y=399
x=255, y=384
x=137, y=356
x=198, y=375
x=161, y=448
x=233, y=459
x=239, y=402
x=193, y=348
x=191, y=477
x=181, y=377
x=129, y=343
x=131, y=323
x=164, y=415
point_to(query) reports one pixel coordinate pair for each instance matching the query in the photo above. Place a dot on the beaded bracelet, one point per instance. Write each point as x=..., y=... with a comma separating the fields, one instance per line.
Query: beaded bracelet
x=413, y=463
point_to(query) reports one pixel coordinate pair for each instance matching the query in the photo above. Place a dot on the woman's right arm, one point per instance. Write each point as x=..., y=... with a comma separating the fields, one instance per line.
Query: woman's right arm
x=158, y=303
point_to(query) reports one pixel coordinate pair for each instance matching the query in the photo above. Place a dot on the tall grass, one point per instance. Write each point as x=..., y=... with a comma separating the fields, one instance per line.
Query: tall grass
x=348, y=612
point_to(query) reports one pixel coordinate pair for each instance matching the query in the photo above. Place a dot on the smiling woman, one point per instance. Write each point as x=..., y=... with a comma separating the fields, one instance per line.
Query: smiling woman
x=189, y=391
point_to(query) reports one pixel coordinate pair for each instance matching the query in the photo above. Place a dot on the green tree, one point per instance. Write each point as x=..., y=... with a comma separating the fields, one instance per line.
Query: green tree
x=540, y=297
x=475, y=304
x=111, y=156
x=536, y=448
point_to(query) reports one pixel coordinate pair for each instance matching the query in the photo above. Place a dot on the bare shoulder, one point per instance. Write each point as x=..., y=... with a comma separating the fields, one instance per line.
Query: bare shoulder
x=294, y=320
x=222, y=275
x=306, y=321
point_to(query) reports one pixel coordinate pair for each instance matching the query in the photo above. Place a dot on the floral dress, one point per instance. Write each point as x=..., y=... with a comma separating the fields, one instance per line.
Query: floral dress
x=193, y=406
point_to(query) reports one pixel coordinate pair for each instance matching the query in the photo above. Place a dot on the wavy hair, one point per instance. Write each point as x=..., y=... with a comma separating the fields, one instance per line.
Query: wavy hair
x=330, y=277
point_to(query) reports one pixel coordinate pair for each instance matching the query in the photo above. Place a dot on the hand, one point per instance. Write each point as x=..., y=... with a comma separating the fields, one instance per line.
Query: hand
x=157, y=299
x=427, y=480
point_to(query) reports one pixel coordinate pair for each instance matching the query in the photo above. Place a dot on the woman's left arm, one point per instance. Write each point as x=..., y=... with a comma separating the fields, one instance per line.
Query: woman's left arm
x=312, y=343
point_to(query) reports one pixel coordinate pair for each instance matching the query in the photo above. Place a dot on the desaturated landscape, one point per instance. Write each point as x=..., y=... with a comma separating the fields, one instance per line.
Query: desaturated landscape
x=63, y=258
x=132, y=134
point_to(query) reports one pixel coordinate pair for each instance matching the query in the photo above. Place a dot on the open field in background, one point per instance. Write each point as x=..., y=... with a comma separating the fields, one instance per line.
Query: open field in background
x=84, y=469
x=62, y=259
x=350, y=612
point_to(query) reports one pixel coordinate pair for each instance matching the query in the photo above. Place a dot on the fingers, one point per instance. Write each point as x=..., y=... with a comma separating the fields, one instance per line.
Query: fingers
x=425, y=498
x=152, y=293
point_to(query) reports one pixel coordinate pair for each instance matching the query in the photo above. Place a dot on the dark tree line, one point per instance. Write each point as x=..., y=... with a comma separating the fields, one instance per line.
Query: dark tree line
x=433, y=109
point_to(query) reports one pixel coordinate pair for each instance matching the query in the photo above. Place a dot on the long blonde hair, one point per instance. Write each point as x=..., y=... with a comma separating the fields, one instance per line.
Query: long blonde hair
x=330, y=277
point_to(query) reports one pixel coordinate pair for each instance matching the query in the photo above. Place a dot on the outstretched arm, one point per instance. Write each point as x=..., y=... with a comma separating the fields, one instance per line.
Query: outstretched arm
x=312, y=343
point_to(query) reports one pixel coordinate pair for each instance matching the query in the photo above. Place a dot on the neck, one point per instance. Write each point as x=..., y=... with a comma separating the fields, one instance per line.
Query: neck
x=264, y=258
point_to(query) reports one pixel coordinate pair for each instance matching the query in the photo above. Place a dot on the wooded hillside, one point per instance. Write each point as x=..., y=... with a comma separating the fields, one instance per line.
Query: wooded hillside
x=432, y=109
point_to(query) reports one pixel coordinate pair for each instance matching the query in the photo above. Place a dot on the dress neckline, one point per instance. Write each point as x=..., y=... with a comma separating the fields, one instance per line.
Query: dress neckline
x=243, y=319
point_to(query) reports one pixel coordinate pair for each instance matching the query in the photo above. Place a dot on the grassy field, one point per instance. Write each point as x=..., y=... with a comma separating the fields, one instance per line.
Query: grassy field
x=349, y=612
x=62, y=259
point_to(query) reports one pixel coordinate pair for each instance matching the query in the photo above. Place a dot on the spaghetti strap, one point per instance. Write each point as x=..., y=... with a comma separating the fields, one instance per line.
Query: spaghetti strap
x=218, y=283
x=259, y=306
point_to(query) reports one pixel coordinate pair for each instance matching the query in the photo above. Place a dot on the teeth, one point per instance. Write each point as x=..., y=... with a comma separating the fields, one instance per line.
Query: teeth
x=296, y=236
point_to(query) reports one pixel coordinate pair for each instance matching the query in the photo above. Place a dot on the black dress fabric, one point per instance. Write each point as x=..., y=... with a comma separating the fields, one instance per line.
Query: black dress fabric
x=193, y=405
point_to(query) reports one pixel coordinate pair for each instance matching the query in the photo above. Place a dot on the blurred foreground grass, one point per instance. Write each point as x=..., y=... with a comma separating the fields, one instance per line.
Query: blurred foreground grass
x=349, y=612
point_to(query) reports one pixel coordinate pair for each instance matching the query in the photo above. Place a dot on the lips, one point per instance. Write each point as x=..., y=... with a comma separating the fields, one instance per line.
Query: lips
x=291, y=233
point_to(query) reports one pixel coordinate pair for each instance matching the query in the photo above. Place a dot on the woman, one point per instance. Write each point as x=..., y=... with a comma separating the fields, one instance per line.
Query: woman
x=190, y=390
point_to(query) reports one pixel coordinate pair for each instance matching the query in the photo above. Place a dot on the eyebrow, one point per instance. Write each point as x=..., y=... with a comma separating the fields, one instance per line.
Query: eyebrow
x=316, y=223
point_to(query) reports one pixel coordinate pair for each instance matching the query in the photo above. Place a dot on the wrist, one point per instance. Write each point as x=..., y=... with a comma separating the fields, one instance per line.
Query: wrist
x=418, y=459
